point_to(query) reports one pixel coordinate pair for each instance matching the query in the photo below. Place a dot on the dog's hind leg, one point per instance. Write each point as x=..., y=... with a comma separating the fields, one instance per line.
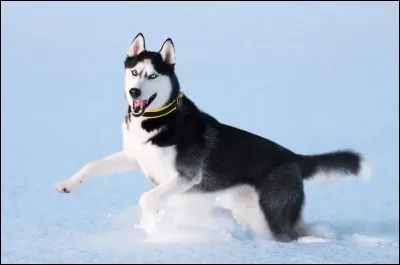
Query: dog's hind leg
x=243, y=202
x=113, y=164
x=281, y=199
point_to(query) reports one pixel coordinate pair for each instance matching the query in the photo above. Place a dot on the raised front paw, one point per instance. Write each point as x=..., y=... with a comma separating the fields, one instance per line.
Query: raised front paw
x=65, y=187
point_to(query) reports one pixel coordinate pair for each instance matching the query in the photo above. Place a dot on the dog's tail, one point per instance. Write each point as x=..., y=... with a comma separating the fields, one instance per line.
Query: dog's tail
x=334, y=165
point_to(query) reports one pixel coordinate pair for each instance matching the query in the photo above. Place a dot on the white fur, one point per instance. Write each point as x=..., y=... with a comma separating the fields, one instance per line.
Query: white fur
x=155, y=162
x=158, y=164
x=243, y=200
x=113, y=164
x=324, y=176
x=161, y=85
x=365, y=171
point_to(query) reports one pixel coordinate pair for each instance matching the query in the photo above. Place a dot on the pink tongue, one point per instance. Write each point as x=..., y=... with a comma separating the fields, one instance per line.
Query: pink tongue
x=139, y=103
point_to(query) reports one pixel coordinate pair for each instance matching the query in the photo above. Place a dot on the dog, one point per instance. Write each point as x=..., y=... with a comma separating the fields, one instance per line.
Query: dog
x=182, y=149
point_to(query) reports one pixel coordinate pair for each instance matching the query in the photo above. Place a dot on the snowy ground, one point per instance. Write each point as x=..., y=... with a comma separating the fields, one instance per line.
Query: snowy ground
x=317, y=77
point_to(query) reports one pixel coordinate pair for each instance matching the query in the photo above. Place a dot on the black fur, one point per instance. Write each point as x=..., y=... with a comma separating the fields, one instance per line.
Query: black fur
x=227, y=156
x=346, y=161
x=128, y=116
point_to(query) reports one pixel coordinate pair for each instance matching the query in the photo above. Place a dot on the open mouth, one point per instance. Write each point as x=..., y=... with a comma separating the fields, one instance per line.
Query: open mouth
x=140, y=105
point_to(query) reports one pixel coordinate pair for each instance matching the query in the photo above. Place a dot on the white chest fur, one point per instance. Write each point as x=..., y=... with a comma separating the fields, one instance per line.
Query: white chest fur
x=156, y=163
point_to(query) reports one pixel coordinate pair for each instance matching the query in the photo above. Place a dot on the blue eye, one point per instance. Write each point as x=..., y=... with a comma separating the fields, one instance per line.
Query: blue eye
x=153, y=76
x=134, y=73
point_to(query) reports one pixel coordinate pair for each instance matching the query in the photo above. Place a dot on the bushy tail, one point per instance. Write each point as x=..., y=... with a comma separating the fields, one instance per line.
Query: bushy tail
x=333, y=165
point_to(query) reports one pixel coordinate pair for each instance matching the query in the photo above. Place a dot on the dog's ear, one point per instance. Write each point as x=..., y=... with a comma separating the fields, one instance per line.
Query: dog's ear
x=137, y=45
x=167, y=52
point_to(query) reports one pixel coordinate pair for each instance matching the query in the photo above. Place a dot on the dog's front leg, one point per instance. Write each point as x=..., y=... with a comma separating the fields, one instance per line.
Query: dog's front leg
x=154, y=199
x=113, y=164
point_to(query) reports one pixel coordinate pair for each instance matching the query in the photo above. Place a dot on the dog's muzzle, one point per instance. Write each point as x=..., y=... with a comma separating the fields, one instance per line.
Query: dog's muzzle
x=140, y=105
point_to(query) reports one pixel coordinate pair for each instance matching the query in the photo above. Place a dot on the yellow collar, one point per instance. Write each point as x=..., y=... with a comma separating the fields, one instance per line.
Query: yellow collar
x=165, y=110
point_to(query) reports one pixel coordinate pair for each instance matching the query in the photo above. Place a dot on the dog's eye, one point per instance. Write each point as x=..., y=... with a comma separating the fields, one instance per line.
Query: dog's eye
x=153, y=76
x=134, y=72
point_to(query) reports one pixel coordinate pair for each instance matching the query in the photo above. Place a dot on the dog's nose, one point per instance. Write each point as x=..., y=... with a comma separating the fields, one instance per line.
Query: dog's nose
x=135, y=92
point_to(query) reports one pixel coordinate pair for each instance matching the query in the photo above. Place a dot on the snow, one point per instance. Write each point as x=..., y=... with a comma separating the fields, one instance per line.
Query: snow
x=318, y=77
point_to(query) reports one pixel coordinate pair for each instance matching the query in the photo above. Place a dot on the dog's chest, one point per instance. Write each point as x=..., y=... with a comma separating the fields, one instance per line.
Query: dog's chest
x=157, y=164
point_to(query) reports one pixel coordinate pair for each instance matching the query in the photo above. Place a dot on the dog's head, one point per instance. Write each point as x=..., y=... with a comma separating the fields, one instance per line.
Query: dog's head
x=150, y=80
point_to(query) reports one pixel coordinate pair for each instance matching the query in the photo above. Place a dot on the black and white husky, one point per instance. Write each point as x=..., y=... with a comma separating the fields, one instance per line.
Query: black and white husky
x=182, y=149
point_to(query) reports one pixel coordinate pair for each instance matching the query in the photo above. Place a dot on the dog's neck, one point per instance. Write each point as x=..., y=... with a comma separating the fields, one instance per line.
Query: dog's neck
x=165, y=110
x=154, y=114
